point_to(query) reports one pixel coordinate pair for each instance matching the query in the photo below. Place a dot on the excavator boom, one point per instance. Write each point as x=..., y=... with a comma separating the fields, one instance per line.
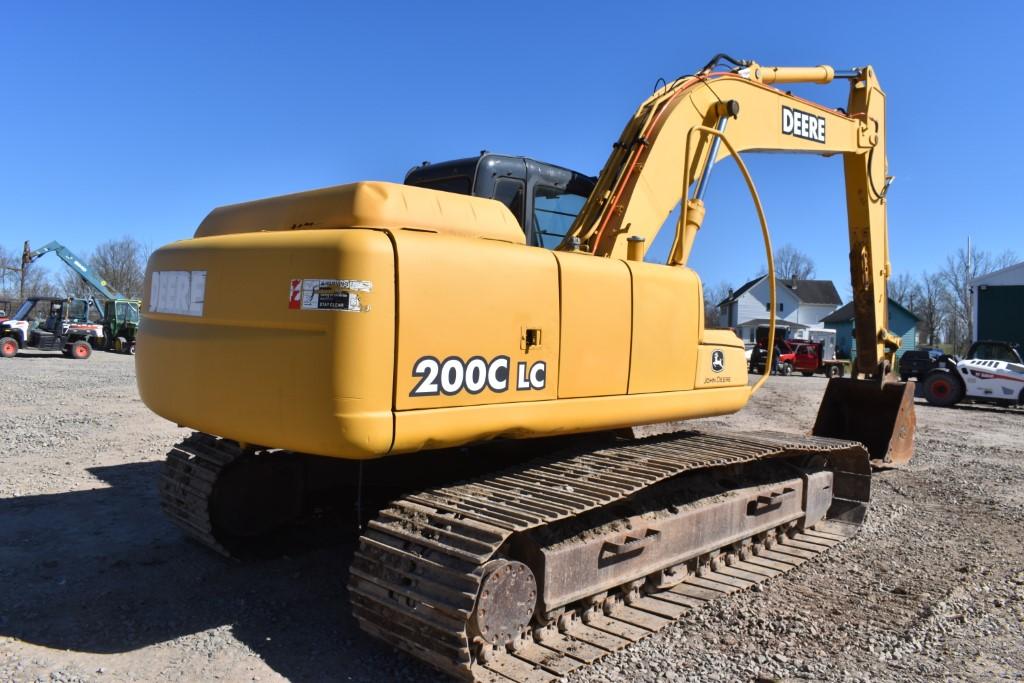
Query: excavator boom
x=649, y=173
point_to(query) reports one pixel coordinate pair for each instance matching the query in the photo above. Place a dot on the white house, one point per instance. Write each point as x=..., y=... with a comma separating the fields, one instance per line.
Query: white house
x=801, y=304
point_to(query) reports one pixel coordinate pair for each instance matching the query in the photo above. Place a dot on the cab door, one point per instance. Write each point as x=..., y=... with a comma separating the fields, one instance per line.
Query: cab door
x=805, y=359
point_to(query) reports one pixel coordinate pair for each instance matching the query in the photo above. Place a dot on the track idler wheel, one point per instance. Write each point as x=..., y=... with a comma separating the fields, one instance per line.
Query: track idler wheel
x=505, y=602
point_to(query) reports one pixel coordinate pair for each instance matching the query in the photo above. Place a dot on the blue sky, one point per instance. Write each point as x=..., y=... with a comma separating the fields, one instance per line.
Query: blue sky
x=138, y=118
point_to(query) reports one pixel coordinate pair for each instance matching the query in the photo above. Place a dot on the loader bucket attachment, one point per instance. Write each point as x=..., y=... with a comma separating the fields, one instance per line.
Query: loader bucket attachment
x=880, y=416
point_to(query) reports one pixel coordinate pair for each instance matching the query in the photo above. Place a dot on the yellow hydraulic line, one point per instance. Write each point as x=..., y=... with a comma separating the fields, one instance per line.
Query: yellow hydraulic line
x=764, y=232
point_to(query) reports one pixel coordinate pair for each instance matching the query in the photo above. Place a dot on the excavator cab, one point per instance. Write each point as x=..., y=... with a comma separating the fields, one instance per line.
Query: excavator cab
x=121, y=323
x=544, y=198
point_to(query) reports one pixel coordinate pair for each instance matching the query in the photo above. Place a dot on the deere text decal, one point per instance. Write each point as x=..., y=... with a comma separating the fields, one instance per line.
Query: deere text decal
x=801, y=124
x=181, y=292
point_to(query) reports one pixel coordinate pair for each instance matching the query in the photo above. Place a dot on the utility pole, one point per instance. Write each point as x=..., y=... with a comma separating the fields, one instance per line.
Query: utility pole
x=969, y=299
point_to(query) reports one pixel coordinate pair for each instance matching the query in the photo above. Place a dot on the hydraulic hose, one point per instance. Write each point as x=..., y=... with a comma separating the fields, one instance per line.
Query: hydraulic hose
x=764, y=232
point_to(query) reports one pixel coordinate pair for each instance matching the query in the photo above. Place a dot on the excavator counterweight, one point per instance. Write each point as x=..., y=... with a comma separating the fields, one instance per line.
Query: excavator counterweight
x=475, y=341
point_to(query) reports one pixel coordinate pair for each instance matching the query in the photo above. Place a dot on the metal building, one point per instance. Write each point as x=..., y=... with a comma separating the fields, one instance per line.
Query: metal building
x=998, y=305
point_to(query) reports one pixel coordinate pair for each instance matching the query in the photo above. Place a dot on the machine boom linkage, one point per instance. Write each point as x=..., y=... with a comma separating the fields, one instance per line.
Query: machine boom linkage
x=667, y=148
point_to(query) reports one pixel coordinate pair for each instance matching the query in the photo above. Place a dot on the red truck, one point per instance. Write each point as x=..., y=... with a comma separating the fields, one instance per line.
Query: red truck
x=807, y=351
x=807, y=358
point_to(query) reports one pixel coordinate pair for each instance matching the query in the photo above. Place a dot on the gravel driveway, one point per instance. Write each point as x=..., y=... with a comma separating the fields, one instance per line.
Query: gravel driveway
x=96, y=586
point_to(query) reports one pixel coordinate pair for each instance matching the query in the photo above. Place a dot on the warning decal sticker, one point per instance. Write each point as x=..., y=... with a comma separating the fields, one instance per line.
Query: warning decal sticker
x=328, y=295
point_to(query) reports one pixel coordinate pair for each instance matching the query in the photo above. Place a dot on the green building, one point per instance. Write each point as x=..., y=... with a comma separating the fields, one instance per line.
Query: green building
x=999, y=305
x=901, y=322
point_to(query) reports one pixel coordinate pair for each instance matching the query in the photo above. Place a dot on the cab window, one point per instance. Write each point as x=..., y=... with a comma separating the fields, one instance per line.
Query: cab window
x=78, y=310
x=95, y=313
x=127, y=312
x=994, y=352
x=510, y=193
x=554, y=211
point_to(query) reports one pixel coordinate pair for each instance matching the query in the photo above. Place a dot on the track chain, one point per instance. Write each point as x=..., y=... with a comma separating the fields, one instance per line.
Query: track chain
x=187, y=482
x=419, y=565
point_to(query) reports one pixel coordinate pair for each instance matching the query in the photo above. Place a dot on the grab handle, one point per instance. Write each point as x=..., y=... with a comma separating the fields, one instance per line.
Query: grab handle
x=772, y=501
x=632, y=544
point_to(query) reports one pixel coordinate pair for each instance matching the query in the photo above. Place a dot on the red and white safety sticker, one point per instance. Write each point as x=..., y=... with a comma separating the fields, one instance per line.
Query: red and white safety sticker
x=315, y=294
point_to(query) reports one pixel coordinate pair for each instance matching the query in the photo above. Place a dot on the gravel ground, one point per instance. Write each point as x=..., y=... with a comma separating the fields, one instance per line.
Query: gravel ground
x=96, y=586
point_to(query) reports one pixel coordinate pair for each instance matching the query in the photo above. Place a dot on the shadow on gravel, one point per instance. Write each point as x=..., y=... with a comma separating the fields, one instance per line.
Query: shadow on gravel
x=36, y=355
x=102, y=571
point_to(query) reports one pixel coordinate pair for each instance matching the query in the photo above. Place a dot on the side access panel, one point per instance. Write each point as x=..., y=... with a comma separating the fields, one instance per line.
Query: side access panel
x=667, y=310
x=596, y=325
x=478, y=322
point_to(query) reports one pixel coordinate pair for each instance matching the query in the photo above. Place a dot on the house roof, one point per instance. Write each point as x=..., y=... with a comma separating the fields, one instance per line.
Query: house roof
x=845, y=313
x=808, y=291
x=742, y=289
x=840, y=315
x=814, y=291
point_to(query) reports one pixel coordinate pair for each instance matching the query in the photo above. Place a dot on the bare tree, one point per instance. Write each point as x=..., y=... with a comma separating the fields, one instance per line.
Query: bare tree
x=70, y=283
x=10, y=272
x=713, y=315
x=791, y=263
x=901, y=289
x=122, y=263
x=929, y=302
x=35, y=281
x=961, y=269
x=17, y=282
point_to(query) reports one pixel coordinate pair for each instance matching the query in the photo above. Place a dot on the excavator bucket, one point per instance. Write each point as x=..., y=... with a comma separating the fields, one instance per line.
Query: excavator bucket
x=880, y=416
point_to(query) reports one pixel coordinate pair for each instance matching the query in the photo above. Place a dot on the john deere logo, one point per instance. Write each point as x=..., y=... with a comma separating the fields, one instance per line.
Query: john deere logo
x=717, y=360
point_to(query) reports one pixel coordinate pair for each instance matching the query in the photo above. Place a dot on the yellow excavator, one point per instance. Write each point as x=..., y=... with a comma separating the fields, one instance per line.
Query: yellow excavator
x=484, y=352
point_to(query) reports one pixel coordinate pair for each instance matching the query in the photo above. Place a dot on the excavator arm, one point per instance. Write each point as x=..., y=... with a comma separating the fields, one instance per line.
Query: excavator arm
x=664, y=157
